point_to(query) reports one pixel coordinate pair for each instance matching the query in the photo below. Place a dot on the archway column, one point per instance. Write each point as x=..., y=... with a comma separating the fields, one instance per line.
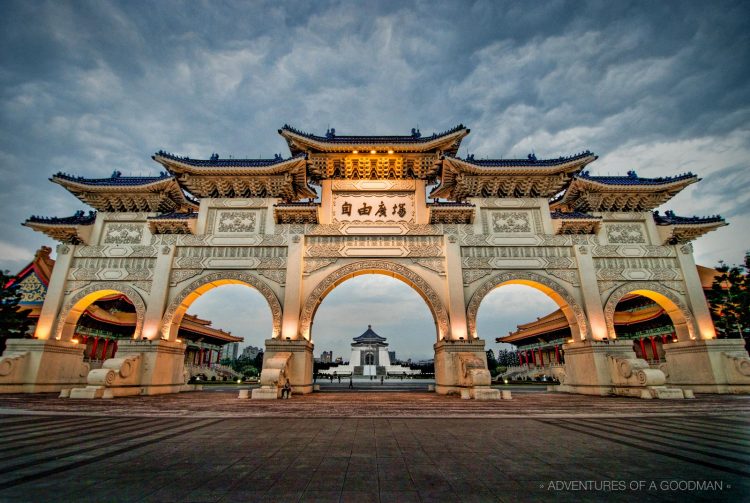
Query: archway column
x=55, y=296
x=157, y=299
x=592, y=301
x=694, y=295
x=456, y=302
x=290, y=321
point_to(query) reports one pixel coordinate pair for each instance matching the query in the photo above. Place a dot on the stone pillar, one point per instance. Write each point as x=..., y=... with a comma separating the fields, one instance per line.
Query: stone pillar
x=293, y=290
x=55, y=295
x=455, y=283
x=461, y=368
x=696, y=299
x=157, y=298
x=592, y=300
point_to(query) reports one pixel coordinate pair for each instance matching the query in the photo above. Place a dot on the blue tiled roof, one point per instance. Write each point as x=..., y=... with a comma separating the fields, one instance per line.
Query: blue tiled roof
x=531, y=160
x=115, y=179
x=572, y=215
x=79, y=218
x=369, y=336
x=215, y=161
x=633, y=179
x=332, y=137
x=175, y=215
x=669, y=218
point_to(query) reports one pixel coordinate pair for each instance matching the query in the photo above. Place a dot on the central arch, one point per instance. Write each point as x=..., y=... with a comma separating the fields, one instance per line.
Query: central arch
x=177, y=308
x=393, y=269
x=573, y=312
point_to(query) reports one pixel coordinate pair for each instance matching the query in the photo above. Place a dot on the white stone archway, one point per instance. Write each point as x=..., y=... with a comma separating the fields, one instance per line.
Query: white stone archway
x=178, y=306
x=680, y=315
x=388, y=268
x=77, y=304
x=575, y=315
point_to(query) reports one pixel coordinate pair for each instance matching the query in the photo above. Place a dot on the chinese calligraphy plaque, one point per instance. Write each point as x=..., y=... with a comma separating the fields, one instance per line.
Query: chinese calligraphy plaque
x=373, y=207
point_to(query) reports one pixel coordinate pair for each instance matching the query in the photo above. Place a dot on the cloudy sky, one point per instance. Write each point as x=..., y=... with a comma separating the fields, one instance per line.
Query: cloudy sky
x=92, y=87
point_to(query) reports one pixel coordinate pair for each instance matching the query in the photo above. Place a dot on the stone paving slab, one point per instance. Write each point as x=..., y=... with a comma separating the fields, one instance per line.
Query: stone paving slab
x=247, y=459
x=390, y=404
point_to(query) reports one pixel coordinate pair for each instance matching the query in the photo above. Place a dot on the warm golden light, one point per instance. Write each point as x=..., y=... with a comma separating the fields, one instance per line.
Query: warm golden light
x=355, y=151
x=373, y=151
x=178, y=340
x=390, y=151
x=74, y=341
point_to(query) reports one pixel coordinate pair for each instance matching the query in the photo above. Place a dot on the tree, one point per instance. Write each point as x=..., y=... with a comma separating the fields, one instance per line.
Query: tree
x=13, y=324
x=258, y=361
x=729, y=300
x=507, y=358
x=491, y=360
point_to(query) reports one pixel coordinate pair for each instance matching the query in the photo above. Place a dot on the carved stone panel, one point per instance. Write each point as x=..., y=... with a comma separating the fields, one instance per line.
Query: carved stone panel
x=122, y=233
x=237, y=221
x=510, y=221
x=626, y=233
x=374, y=246
x=111, y=268
x=230, y=257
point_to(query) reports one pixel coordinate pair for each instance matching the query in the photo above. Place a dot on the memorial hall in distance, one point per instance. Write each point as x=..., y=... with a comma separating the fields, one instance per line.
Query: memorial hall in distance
x=453, y=229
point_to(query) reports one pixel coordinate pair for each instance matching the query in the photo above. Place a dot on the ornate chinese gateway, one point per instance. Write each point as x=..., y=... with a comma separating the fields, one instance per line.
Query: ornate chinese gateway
x=405, y=206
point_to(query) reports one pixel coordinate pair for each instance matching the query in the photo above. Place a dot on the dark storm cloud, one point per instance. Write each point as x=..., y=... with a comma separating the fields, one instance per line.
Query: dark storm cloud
x=90, y=87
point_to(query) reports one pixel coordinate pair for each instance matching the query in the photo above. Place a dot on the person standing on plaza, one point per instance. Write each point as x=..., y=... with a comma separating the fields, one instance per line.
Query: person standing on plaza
x=351, y=385
x=286, y=391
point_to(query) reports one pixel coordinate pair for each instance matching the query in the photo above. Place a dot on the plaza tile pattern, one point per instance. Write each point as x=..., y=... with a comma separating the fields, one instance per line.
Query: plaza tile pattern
x=160, y=449
x=395, y=404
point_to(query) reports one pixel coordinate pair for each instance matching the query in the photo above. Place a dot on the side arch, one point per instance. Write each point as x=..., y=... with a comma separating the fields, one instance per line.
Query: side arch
x=398, y=271
x=575, y=315
x=176, y=309
x=680, y=315
x=77, y=304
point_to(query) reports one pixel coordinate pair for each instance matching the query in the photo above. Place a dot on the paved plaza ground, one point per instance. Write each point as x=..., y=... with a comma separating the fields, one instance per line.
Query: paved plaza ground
x=363, y=446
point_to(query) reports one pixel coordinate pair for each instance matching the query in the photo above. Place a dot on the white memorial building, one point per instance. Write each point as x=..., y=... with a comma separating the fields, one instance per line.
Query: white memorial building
x=370, y=358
